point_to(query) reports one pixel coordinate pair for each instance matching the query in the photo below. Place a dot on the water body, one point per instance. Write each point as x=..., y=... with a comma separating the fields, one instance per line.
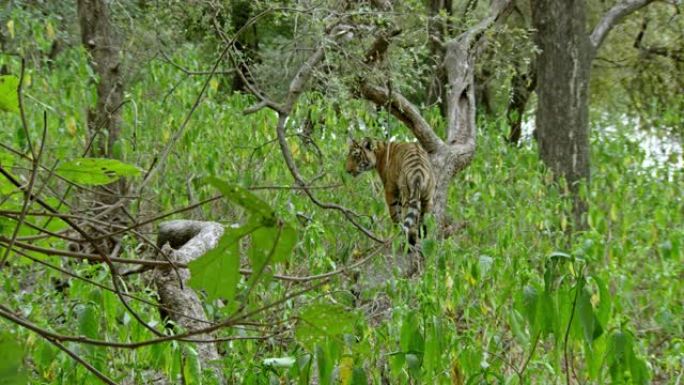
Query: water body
x=661, y=151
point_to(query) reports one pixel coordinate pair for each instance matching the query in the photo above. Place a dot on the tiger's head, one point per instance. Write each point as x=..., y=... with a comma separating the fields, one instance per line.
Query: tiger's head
x=361, y=156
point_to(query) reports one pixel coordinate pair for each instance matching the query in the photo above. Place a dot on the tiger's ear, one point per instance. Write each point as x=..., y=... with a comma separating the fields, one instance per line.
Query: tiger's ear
x=368, y=144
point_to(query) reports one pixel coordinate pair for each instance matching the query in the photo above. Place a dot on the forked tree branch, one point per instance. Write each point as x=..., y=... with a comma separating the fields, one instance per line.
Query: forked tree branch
x=460, y=101
x=612, y=18
x=405, y=111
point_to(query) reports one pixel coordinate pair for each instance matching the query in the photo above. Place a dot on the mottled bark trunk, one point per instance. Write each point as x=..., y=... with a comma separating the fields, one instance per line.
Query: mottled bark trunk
x=104, y=119
x=99, y=39
x=563, y=69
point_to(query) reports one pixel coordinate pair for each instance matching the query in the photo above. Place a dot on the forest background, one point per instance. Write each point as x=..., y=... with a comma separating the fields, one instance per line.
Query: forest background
x=555, y=253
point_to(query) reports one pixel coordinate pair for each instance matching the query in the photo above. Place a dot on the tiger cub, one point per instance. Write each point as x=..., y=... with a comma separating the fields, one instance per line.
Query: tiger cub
x=406, y=174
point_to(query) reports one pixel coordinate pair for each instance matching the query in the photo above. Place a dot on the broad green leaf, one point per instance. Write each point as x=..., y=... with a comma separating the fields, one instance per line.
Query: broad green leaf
x=9, y=100
x=192, y=368
x=11, y=356
x=246, y=199
x=322, y=320
x=605, y=302
x=88, y=321
x=95, y=171
x=591, y=328
x=218, y=271
x=413, y=362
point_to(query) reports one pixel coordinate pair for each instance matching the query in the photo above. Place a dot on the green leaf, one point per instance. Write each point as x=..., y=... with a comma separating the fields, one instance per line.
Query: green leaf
x=530, y=299
x=6, y=160
x=604, y=305
x=263, y=246
x=192, y=370
x=218, y=271
x=322, y=320
x=95, y=171
x=11, y=356
x=324, y=365
x=88, y=321
x=359, y=377
x=9, y=100
x=591, y=328
x=246, y=199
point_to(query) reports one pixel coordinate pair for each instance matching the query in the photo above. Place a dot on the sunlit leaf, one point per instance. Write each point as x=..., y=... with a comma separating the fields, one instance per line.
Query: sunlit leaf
x=8, y=93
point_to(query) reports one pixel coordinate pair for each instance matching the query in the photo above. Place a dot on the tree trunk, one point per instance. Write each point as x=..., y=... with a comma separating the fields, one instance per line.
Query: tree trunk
x=104, y=119
x=99, y=39
x=246, y=43
x=563, y=70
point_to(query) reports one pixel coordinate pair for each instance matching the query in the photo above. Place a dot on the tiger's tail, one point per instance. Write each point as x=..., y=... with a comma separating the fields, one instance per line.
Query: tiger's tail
x=413, y=211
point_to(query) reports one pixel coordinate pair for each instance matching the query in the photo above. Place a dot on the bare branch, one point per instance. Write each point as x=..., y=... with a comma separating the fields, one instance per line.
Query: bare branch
x=613, y=17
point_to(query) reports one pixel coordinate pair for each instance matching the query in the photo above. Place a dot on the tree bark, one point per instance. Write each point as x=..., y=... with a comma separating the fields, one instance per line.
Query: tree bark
x=563, y=71
x=99, y=39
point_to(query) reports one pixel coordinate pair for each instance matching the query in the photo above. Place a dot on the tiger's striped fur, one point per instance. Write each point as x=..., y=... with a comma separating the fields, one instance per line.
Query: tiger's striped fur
x=406, y=175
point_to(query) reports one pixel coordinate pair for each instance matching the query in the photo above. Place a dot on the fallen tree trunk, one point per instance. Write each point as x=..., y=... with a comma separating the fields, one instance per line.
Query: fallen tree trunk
x=183, y=241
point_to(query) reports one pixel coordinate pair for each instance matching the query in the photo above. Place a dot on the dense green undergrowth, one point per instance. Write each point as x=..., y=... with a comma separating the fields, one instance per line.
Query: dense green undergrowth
x=510, y=298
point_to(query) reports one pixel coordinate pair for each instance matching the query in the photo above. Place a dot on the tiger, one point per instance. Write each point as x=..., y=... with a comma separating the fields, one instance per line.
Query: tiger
x=406, y=175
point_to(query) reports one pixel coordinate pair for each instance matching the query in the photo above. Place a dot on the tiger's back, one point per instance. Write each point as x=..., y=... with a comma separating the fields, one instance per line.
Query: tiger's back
x=407, y=177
